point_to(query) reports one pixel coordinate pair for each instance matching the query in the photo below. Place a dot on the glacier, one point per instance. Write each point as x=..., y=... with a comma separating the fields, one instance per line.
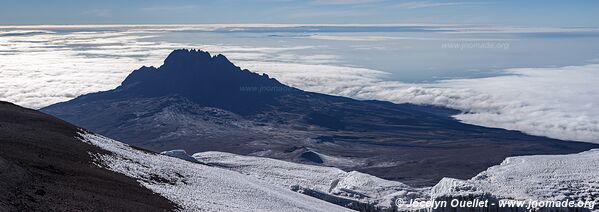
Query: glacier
x=358, y=189
x=197, y=187
x=218, y=181
x=527, y=178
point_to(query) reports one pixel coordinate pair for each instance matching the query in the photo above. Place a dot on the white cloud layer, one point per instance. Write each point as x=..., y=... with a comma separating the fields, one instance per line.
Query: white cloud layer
x=555, y=102
x=39, y=68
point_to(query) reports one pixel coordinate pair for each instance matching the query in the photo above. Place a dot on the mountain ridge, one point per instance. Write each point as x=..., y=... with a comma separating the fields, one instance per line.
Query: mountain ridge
x=198, y=102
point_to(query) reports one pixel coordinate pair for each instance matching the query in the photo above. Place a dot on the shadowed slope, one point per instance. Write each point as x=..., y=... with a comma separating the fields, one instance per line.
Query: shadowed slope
x=44, y=167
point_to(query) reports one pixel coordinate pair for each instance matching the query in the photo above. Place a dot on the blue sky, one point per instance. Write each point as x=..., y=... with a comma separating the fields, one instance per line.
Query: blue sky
x=513, y=13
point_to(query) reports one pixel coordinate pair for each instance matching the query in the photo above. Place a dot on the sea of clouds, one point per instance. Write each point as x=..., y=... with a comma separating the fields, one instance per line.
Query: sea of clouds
x=39, y=67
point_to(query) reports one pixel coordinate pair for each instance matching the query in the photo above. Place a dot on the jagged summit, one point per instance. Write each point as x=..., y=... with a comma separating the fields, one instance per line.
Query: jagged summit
x=193, y=56
x=205, y=79
x=201, y=66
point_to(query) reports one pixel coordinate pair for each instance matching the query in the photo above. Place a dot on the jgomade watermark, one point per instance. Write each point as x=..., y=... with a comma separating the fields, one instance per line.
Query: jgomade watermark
x=506, y=203
x=462, y=45
x=266, y=89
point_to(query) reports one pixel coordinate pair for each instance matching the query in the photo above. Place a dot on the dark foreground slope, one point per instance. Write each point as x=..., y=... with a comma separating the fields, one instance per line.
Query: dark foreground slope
x=198, y=102
x=43, y=167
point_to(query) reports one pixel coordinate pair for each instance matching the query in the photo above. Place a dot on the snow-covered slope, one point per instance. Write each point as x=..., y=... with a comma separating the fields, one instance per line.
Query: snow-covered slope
x=197, y=187
x=539, y=177
x=231, y=182
x=544, y=177
x=352, y=185
x=557, y=178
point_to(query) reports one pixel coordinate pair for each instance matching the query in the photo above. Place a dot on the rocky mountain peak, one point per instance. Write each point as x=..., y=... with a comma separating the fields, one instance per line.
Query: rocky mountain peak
x=205, y=79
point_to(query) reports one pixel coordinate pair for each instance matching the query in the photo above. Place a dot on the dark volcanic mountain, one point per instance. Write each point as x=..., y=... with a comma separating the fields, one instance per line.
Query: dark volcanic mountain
x=44, y=167
x=198, y=102
x=219, y=84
